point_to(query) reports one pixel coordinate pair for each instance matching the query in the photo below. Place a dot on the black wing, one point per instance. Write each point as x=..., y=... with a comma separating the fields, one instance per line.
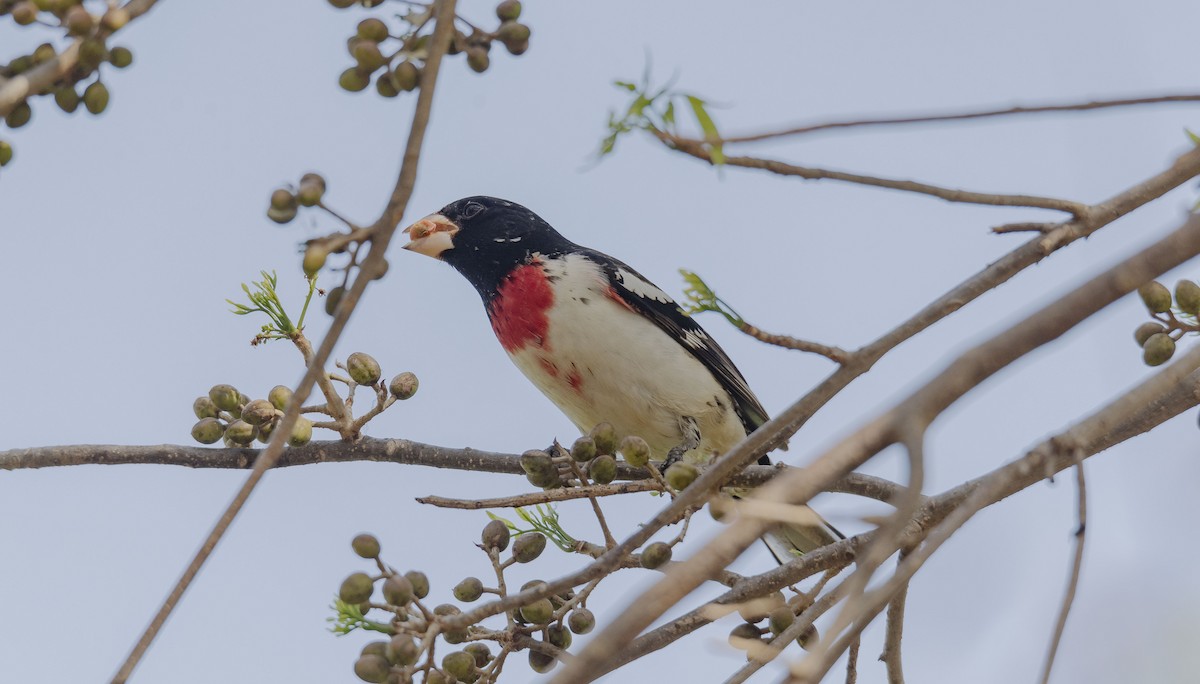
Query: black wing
x=649, y=300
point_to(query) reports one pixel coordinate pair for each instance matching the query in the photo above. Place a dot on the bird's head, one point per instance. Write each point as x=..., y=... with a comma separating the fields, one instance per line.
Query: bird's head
x=484, y=238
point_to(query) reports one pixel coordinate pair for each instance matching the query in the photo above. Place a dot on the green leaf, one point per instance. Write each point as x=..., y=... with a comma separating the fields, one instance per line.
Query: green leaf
x=626, y=85
x=1192, y=136
x=702, y=118
x=668, y=116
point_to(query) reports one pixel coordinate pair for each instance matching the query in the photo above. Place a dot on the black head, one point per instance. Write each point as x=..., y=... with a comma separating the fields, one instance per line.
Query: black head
x=485, y=238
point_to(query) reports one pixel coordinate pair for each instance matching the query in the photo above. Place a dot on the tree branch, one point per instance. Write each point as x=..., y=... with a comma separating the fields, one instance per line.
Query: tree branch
x=1073, y=581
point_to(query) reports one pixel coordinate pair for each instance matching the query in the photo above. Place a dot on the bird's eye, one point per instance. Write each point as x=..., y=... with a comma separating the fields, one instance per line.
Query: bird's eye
x=472, y=210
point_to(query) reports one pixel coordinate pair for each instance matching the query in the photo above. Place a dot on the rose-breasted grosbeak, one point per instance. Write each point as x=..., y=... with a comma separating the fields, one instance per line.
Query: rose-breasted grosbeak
x=601, y=341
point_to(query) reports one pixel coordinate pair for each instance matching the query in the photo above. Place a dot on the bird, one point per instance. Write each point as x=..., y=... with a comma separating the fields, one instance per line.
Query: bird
x=601, y=341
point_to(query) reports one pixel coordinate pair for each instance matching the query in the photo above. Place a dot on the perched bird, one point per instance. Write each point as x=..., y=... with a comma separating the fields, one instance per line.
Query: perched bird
x=600, y=340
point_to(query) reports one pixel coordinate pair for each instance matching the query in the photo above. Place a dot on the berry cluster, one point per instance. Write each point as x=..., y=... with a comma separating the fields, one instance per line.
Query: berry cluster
x=1157, y=339
x=396, y=61
x=597, y=452
x=767, y=617
x=88, y=32
x=544, y=627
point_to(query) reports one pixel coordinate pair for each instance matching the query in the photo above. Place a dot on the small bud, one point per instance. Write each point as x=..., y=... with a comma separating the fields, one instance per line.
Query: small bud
x=539, y=612
x=1187, y=296
x=528, y=547
x=95, y=97
x=635, y=450
x=508, y=10
x=280, y=396
x=470, y=589
x=208, y=431
x=603, y=469
x=356, y=588
x=583, y=450
x=460, y=665
x=1156, y=297
x=301, y=432
x=1145, y=330
x=495, y=535
x=655, y=555
x=226, y=397
x=1158, y=349
x=204, y=407
x=679, y=475
x=581, y=621
x=398, y=590
x=363, y=368
x=404, y=386
x=420, y=583
x=372, y=668
x=258, y=412
x=314, y=258
x=365, y=545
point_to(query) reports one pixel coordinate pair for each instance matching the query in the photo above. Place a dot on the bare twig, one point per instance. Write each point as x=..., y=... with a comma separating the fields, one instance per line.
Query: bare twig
x=371, y=268
x=1073, y=582
x=894, y=634
x=852, y=662
x=835, y=354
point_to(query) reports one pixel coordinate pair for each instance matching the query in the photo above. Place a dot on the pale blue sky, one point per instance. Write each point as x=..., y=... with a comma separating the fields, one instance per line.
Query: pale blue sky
x=125, y=234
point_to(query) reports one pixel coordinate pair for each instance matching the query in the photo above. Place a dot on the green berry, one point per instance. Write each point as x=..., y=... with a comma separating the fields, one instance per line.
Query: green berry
x=368, y=55
x=780, y=619
x=92, y=52
x=19, y=115
x=283, y=199
x=1158, y=349
x=655, y=555
x=1187, y=296
x=605, y=437
x=1156, y=297
x=481, y=653
x=120, y=57
x=539, y=612
x=66, y=98
x=508, y=10
x=470, y=589
x=583, y=450
x=546, y=480
x=756, y=610
x=95, y=97
x=445, y=609
x=343, y=4
x=372, y=29
x=24, y=13
x=420, y=583
x=398, y=590
x=258, y=412
x=204, y=407
x=743, y=631
x=635, y=450
x=528, y=547
x=301, y=432
x=333, y=298
x=314, y=258
x=208, y=431
x=603, y=469
x=365, y=545
x=511, y=32
x=6, y=153
x=477, y=58
x=280, y=396
x=540, y=662
x=78, y=20
x=372, y=668
x=536, y=461
x=363, y=368
x=404, y=385
x=281, y=216
x=559, y=636
x=225, y=397
x=406, y=76
x=1145, y=330
x=581, y=621
x=459, y=664
x=240, y=432
x=495, y=535
x=44, y=53
x=402, y=650
x=386, y=85
x=679, y=475
x=354, y=80
x=356, y=588
x=115, y=18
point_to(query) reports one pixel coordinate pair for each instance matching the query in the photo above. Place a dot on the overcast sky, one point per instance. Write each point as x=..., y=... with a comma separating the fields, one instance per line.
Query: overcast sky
x=125, y=234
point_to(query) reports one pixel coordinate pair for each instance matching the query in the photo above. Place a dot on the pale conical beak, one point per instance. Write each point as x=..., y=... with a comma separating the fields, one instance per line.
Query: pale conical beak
x=431, y=235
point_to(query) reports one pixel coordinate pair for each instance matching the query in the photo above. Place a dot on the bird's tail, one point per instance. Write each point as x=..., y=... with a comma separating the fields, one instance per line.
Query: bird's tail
x=790, y=540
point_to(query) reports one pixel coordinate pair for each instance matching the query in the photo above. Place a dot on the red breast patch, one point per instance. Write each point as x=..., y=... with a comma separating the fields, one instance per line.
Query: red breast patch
x=518, y=311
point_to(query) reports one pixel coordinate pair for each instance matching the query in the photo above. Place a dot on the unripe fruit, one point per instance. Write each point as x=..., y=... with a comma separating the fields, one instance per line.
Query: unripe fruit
x=581, y=621
x=365, y=545
x=755, y=610
x=258, y=412
x=24, y=13
x=333, y=298
x=605, y=437
x=204, y=407
x=314, y=259
x=446, y=609
x=402, y=650
x=95, y=97
x=398, y=590
x=406, y=76
x=544, y=480
x=372, y=29
x=78, y=21
x=281, y=216
x=780, y=619
x=301, y=432
x=343, y=4
x=460, y=665
x=44, y=53
x=1187, y=296
x=1156, y=297
x=528, y=547
x=283, y=199
x=363, y=368
x=512, y=31
x=372, y=668
x=91, y=53
x=208, y=431
x=536, y=461
x=680, y=475
x=436, y=677
x=378, y=648
x=6, y=153
x=655, y=555
x=508, y=10
x=386, y=86
x=470, y=589
x=1145, y=330
x=1158, y=349
x=477, y=58
x=115, y=18
x=559, y=636
x=280, y=396
x=635, y=450
x=120, y=57
x=240, y=432
x=354, y=80
x=226, y=397
x=743, y=631
x=356, y=588
x=583, y=450
x=495, y=535
x=482, y=654
x=540, y=662
x=420, y=583
x=19, y=115
x=539, y=612
x=66, y=98
x=404, y=386
x=368, y=55
x=603, y=469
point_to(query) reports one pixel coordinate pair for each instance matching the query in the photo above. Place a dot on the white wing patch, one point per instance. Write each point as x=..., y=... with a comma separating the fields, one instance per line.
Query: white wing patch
x=696, y=339
x=641, y=287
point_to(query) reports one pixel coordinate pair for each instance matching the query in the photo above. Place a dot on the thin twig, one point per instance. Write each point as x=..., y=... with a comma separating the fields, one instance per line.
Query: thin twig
x=371, y=268
x=835, y=354
x=852, y=662
x=894, y=634
x=1073, y=582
